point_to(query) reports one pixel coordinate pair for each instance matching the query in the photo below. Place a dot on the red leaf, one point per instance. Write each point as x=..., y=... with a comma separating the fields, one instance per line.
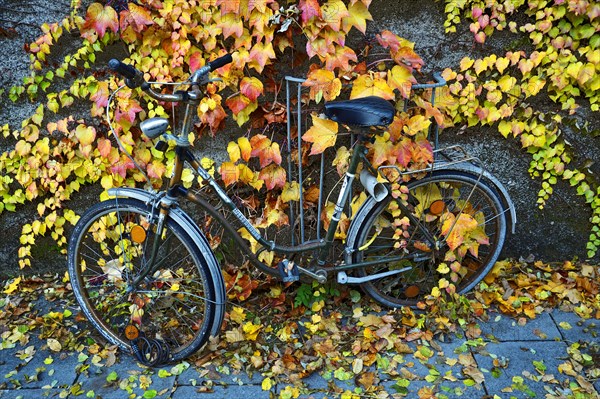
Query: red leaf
x=251, y=88
x=237, y=103
x=310, y=9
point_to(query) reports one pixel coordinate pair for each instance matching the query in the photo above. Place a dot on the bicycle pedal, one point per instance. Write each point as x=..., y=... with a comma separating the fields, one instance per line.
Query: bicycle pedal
x=289, y=271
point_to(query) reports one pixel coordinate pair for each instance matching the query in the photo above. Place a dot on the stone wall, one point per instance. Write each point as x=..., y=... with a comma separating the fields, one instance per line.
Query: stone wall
x=559, y=232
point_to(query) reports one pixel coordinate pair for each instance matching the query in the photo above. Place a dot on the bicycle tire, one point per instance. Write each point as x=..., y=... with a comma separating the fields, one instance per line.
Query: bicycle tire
x=173, y=305
x=421, y=262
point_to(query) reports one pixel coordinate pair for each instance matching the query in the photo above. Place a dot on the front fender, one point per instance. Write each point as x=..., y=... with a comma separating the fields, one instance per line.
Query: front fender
x=183, y=219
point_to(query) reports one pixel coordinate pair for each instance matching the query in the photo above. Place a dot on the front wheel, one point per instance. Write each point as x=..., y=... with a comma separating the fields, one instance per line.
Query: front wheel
x=133, y=282
x=449, y=225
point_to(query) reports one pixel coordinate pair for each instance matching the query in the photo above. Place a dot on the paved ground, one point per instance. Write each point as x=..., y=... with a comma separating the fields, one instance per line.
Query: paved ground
x=512, y=361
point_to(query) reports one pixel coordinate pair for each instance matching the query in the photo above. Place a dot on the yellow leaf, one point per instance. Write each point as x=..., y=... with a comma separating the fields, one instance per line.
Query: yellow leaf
x=291, y=192
x=251, y=330
x=401, y=78
x=237, y=315
x=466, y=63
x=480, y=66
x=12, y=287
x=368, y=85
x=234, y=336
x=506, y=83
x=85, y=134
x=359, y=14
x=267, y=384
x=323, y=134
x=317, y=305
x=245, y=148
x=416, y=124
x=565, y=325
x=234, y=151
x=501, y=64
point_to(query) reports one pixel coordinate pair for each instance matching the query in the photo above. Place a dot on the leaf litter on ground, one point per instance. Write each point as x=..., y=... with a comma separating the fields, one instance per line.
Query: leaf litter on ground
x=358, y=347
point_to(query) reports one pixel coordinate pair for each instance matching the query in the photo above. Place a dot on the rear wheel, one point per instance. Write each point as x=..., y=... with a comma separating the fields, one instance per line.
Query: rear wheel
x=448, y=226
x=173, y=304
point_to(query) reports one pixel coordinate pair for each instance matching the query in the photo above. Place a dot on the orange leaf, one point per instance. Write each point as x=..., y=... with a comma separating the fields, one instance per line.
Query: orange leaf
x=323, y=84
x=230, y=173
x=341, y=59
x=388, y=39
x=104, y=147
x=237, y=103
x=323, y=134
x=457, y=229
x=407, y=56
x=265, y=149
x=383, y=150
x=403, y=151
x=273, y=176
x=137, y=16
x=228, y=6
x=156, y=169
x=98, y=19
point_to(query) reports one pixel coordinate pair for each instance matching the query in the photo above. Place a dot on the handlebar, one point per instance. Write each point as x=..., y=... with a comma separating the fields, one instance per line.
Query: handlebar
x=135, y=78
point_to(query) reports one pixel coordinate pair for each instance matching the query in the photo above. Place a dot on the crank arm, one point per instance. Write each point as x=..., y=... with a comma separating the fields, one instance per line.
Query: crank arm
x=342, y=277
x=320, y=275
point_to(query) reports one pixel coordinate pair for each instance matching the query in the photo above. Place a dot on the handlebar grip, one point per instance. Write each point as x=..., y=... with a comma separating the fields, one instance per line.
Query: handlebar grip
x=133, y=77
x=123, y=69
x=221, y=61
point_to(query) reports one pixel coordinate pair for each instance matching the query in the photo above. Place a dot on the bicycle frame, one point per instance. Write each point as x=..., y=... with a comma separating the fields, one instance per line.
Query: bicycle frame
x=175, y=190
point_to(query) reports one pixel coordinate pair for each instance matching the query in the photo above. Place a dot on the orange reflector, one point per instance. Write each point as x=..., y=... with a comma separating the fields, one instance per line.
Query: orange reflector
x=138, y=234
x=412, y=291
x=131, y=332
x=437, y=207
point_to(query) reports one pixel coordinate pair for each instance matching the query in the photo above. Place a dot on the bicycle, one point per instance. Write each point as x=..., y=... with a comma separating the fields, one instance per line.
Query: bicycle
x=147, y=279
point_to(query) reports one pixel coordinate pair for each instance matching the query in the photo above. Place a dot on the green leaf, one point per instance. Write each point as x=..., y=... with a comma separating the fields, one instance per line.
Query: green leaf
x=112, y=376
x=151, y=393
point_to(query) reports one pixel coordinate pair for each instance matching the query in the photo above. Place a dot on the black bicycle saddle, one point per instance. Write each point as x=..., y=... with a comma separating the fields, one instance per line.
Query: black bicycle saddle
x=365, y=111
